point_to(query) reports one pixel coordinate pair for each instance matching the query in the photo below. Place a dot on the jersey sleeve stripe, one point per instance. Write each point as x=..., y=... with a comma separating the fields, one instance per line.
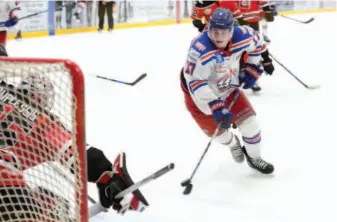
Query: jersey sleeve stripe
x=239, y=44
x=205, y=58
x=257, y=50
x=237, y=49
x=237, y=14
x=196, y=84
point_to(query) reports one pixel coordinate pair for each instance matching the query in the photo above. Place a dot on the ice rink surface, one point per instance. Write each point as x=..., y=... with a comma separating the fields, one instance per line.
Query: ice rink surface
x=149, y=122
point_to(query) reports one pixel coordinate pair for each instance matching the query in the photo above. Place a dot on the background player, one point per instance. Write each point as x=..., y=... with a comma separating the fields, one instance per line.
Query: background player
x=252, y=12
x=210, y=82
x=203, y=10
x=8, y=12
x=24, y=111
x=264, y=23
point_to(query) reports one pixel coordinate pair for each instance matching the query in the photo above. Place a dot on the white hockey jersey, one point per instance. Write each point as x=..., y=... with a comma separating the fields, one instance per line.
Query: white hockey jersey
x=212, y=73
x=7, y=9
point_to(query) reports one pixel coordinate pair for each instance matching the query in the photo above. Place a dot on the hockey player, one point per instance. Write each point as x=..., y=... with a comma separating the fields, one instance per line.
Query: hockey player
x=210, y=82
x=25, y=110
x=8, y=12
x=252, y=12
x=264, y=23
x=58, y=14
x=203, y=10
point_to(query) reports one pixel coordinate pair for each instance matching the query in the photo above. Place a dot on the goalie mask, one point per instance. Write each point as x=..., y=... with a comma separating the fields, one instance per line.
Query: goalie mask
x=39, y=89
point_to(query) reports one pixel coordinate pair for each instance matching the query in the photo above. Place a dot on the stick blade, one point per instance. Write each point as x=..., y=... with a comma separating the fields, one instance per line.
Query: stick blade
x=310, y=20
x=142, y=76
x=188, y=189
x=314, y=87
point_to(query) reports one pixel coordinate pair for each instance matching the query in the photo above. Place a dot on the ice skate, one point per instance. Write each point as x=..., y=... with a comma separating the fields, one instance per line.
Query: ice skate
x=256, y=88
x=266, y=39
x=236, y=151
x=259, y=164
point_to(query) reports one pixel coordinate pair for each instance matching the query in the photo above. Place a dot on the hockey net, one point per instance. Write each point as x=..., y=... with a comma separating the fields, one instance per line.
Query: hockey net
x=40, y=179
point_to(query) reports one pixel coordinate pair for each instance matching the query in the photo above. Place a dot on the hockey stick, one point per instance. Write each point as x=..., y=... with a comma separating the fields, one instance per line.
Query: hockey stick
x=44, y=11
x=2, y=24
x=142, y=76
x=97, y=208
x=188, y=182
x=293, y=75
x=303, y=22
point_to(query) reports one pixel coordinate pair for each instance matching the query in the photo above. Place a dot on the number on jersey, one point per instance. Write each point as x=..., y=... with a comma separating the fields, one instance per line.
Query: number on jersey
x=189, y=67
x=244, y=4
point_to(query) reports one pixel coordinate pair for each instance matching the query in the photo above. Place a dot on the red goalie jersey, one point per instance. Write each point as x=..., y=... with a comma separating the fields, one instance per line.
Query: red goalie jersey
x=27, y=128
x=252, y=10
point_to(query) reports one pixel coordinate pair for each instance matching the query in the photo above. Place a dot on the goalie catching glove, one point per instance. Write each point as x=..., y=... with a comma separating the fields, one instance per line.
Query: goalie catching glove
x=112, y=180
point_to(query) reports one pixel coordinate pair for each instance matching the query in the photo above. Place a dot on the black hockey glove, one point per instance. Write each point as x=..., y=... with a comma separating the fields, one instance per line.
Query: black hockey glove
x=267, y=63
x=241, y=21
x=199, y=25
x=269, y=15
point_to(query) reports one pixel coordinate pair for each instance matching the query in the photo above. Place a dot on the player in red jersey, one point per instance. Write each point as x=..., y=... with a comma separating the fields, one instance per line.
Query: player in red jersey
x=253, y=12
x=203, y=10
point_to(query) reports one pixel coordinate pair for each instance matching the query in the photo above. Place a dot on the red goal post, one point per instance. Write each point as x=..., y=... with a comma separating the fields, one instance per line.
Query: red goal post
x=69, y=105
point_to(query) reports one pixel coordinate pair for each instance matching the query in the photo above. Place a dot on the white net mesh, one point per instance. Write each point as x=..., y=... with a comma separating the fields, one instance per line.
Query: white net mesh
x=41, y=176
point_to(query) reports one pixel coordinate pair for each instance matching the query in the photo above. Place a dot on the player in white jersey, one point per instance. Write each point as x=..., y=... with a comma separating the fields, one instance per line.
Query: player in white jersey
x=211, y=80
x=8, y=18
x=24, y=110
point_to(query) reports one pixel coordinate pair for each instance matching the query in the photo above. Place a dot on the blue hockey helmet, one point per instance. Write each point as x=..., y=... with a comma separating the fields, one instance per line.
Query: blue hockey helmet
x=221, y=19
x=220, y=27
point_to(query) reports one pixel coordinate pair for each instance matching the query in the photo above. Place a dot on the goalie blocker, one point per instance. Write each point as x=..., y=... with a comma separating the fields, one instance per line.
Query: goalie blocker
x=19, y=201
x=20, y=139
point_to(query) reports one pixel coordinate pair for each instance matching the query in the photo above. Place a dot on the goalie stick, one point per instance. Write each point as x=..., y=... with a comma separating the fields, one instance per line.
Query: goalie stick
x=142, y=76
x=97, y=207
x=296, y=20
x=293, y=75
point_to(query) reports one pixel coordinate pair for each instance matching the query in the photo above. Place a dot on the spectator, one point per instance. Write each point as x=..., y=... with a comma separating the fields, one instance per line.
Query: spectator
x=80, y=11
x=70, y=5
x=89, y=13
x=18, y=25
x=108, y=5
x=58, y=14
